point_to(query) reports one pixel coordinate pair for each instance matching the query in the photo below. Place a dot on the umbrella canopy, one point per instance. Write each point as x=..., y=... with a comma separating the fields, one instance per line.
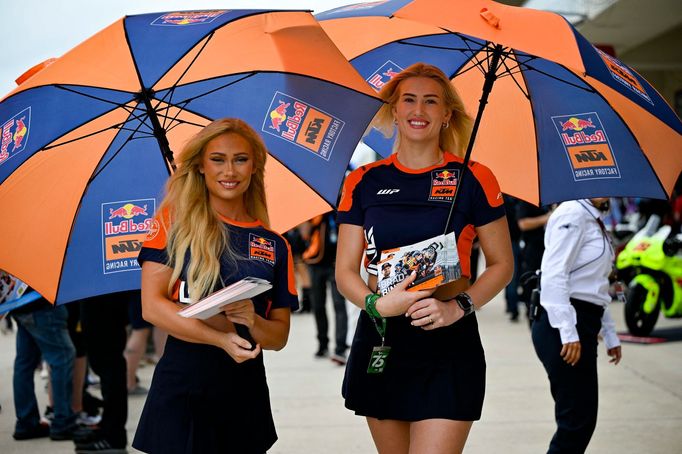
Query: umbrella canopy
x=88, y=141
x=556, y=119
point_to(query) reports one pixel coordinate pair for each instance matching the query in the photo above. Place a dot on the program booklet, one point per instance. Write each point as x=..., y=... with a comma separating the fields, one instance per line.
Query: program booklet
x=435, y=260
x=213, y=303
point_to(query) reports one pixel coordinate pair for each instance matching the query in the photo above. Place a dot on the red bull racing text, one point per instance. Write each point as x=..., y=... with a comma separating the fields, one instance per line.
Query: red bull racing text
x=125, y=226
x=14, y=134
x=623, y=75
x=587, y=146
x=302, y=124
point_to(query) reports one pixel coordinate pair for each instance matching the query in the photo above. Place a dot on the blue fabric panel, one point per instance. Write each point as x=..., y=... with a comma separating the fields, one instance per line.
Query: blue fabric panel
x=111, y=223
x=33, y=119
x=584, y=148
x=387, y=9
x=28, y=297
x=447, y=51
x=626, y=81
x=158, y=40
x=309, y=125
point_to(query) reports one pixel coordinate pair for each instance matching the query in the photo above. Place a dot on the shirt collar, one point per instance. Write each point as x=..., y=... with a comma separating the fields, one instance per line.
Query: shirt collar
x=592, y=209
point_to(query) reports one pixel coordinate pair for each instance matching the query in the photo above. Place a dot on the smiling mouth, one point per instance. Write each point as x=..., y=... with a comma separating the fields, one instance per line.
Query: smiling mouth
x=418, y=123
x=229, y=184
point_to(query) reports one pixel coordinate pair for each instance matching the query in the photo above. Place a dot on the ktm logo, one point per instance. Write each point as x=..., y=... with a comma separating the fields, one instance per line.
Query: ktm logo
x=387, y=191
x=590, y=156
x=443, y=191
x=126, y=246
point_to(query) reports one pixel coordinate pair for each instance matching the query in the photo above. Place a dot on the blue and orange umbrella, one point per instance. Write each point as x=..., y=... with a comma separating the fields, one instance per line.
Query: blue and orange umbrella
x=555, y=118
x=88, y=140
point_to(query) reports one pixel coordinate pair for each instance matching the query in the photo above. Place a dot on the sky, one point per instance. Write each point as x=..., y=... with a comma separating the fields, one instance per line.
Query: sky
x=35, y=30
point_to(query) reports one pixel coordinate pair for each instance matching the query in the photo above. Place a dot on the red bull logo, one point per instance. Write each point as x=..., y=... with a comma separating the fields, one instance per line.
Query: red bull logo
x=125, y=226
x=443, y=184
x=302, y=124
x=587, y=146
x=262, y=249
x=14, y=134
x=576, y=124
x=279, y=116
x=128, y=211
x=383, y=74
x=624, y=75
x=188, y=18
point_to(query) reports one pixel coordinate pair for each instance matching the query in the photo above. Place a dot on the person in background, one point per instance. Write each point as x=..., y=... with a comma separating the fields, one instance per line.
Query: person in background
x=425, y=394
x=573, y=313
x=209, y=392
x=320, y=256
x=531, y=221
x=298, y=239
x=511, y=291
x=42, y=333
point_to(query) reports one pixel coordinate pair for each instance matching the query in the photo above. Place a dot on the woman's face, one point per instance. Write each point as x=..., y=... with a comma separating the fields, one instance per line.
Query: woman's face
x=420, y=110
x=227, y=165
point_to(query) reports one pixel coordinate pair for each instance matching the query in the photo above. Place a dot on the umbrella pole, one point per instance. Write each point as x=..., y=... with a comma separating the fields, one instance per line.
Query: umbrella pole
x=490, y=78
x=160, y=134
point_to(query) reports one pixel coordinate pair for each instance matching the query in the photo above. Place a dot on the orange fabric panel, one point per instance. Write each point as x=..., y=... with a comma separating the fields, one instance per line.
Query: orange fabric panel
x=376, y=31
x=284, y=41
x=42, y=198
x=540, y=33
x=290, y=200
x=506, y=140
x=101, y=61
x=661, y=144
x=464, y=244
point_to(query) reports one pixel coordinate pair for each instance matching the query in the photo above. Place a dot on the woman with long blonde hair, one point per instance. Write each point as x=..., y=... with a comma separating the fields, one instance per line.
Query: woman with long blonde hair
x=416, y=370
x=209, y=392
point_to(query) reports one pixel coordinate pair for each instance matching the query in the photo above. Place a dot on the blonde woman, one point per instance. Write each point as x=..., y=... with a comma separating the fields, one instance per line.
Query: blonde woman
x=424, y=396
x=209, y=392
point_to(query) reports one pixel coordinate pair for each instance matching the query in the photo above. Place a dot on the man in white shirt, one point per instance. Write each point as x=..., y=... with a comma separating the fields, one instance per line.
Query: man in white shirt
x=574, y=302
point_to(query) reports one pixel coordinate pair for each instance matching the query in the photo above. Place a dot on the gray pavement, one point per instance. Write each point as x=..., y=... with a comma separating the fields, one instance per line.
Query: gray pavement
x=640, y=400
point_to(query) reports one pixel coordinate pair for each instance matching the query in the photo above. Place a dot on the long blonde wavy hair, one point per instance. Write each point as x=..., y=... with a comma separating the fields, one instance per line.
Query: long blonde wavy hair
x=455, y=137
x=195, y=225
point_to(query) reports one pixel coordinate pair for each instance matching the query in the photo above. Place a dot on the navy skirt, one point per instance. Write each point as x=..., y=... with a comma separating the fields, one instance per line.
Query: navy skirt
x=428, y=374
x=201, y=401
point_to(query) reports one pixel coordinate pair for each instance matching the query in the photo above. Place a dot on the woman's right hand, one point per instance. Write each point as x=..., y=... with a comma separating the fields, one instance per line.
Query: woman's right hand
x=238, y=348
x=399, y=299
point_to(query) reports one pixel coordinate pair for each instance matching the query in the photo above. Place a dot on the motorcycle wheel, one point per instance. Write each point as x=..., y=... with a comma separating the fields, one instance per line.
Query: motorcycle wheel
x=639, y=322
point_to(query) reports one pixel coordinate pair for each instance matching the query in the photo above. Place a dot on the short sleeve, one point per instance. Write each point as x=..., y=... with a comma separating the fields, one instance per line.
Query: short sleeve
x=488, y=202
x=350, y=206
x=284, y=285
x=154, y=246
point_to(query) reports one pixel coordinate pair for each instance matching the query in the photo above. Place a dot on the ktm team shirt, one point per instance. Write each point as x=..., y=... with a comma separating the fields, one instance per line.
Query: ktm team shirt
x=265, y=254
x=398, y=206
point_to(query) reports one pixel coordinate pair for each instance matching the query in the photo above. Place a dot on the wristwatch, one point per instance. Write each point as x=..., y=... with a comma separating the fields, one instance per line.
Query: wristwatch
x=464, y=302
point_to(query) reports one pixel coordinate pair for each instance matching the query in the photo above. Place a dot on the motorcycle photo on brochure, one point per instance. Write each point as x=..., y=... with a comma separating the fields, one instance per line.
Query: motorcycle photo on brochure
x=651, y=267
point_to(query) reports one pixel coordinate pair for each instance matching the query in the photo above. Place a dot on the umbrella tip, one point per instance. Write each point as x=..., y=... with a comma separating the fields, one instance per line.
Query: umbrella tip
x=34, y=70
x=490, y=18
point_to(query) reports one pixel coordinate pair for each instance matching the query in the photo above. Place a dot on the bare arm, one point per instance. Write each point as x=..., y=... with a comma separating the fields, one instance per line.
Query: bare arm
x=160, y=311
x=499, y=262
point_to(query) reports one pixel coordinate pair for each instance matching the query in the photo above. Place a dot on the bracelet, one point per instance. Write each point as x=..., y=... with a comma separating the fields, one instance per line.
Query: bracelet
x=370, y=305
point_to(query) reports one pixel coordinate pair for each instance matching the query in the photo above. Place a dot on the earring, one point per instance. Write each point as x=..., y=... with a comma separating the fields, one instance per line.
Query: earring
x=446, y=125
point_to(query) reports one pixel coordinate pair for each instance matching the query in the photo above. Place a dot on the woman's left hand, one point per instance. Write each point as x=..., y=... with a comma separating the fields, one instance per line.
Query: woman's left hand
x=241, y=312
x=432, y=313
x=616, y=354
